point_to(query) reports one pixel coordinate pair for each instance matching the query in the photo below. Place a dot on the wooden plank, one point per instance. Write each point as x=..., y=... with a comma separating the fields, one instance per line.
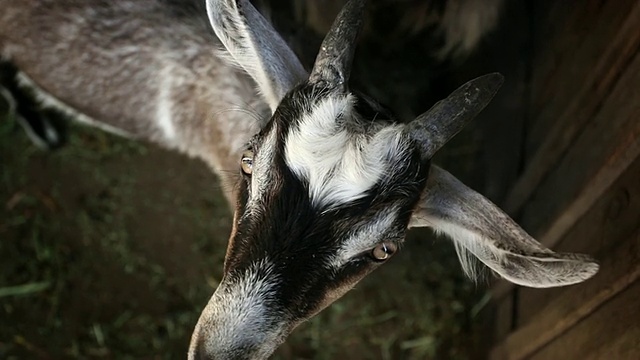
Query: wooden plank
x=622, y=345
x=602, y=152
x=612, y=219
x=503, y=318
x=565, y=58
x=613, y=332
x=590, y=85
x=619, y=270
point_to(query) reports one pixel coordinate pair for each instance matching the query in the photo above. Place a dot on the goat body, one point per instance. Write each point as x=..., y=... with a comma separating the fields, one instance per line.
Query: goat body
x=147, y=69
x=328, y=181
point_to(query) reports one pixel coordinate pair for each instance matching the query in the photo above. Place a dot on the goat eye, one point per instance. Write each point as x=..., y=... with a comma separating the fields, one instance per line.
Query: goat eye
x=384, y=251
x=246, y=163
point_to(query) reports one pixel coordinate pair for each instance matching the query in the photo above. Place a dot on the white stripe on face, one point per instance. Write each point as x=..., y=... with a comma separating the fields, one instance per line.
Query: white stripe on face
x=262, y=175
x=365, y=237
x=339, y=166
x=262, y=172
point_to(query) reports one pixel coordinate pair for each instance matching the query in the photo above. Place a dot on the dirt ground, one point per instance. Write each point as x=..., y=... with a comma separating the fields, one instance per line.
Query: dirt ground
x=109, y=249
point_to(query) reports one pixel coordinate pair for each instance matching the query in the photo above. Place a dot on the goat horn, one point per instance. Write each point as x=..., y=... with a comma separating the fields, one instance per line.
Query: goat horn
x=333, y=64
x=447, y=117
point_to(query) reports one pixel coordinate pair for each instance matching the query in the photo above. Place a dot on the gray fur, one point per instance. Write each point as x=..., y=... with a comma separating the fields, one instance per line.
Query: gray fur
x=151, y=71
x=98, y=57
x=256, y=47
x=481, y=230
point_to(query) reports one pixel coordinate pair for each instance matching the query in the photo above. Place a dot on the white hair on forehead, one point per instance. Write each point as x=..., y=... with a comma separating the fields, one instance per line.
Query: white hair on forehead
x=338, y=165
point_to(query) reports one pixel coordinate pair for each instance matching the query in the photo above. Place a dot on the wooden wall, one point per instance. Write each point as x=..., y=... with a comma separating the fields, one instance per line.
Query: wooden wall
x=579, y=189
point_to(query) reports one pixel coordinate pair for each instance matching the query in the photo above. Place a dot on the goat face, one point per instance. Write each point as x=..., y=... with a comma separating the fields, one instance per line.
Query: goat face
x=326, y=195
x=331, y=183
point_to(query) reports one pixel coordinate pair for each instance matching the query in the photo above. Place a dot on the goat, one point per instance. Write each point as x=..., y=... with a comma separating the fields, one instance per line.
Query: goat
x=330, y=182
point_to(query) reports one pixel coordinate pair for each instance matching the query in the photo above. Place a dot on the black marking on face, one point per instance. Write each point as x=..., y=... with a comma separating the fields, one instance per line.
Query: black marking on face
x=301, y=239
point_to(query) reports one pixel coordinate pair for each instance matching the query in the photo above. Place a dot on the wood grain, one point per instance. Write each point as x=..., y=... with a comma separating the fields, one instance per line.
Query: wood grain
x=610, y=333
x=618, y=271
x=612, y=219
x=599, y=156
x=576, y=82
x=596, y=159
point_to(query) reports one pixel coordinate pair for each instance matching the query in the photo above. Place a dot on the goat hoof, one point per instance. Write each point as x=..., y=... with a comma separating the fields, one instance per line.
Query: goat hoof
x=42, y=131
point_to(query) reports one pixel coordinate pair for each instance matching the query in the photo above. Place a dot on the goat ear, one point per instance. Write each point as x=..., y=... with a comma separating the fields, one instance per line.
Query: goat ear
x=481, y=230
x=256, y=47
